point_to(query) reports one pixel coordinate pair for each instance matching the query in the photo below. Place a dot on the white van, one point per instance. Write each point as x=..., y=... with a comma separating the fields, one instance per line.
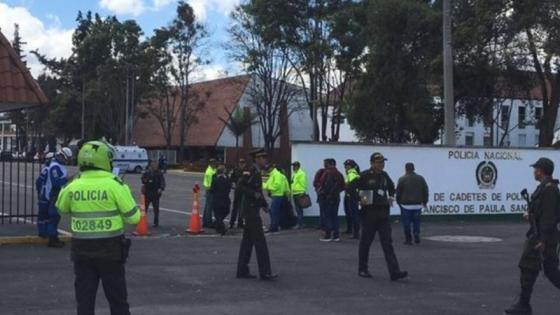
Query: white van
x=130, y=158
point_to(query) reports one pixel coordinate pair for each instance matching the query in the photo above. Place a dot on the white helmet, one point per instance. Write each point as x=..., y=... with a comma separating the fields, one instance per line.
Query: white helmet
x=65, y=152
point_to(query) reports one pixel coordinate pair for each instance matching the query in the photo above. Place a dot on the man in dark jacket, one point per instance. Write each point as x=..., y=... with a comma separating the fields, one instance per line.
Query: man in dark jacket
x=250, y=186
x=154, y=185
x=541, y=247
x=220, y=189
x=331, y=185
x=412, y=197
x=236, y=207
x=376, y=191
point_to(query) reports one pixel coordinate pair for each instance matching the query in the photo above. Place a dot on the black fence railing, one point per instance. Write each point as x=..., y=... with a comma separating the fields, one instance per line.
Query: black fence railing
x=18, y=202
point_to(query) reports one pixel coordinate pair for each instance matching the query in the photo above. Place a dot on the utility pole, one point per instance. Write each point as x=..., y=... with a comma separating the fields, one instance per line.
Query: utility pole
x=449, y=107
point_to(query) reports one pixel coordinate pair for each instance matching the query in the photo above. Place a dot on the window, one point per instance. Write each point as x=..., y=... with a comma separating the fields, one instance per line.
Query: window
x=487, y=141
x=521, y=117
x=538, y=116
x=505, y=116
x=537, y=140
x=470, y=122
x=522, y=140
x=469, y=138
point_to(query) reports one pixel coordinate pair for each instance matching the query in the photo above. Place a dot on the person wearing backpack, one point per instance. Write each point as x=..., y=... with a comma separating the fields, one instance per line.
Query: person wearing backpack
x=540, y=251
x=331, y=185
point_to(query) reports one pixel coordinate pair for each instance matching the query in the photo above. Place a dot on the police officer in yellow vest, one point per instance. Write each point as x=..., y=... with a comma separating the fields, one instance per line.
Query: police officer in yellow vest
x=99, y=204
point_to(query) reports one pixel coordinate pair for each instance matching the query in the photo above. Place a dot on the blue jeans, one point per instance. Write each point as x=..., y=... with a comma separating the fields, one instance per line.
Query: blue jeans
x=331, y=216
x=52, y=221
x=408, y=218
x=356, y=217
x=299, y=212
x=275, y=211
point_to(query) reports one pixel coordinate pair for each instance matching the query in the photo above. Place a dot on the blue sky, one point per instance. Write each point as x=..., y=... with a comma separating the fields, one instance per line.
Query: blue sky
x=47, y=24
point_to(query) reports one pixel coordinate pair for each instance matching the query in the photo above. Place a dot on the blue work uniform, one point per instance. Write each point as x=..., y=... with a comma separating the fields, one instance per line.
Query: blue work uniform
x=57, y=177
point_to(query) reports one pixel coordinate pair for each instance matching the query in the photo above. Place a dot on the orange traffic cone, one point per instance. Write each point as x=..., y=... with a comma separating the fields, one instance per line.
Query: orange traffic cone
x=195, y=226
x=142, y=227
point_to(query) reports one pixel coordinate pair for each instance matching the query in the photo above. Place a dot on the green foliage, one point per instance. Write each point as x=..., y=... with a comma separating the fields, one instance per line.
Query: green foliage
x=392, y=102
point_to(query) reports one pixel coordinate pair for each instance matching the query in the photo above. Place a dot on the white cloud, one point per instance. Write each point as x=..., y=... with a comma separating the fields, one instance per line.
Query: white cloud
x=50, y=40
x=158, y=4
x=131, y=7
x=209, y=72
x=201, y=7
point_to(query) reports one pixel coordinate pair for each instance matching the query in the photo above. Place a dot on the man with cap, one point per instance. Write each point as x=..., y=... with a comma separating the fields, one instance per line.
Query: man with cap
x=250, y=187
x=540, y=250
x=299, y=188
x=376, y=191
x=236, y=211
x=207, y=183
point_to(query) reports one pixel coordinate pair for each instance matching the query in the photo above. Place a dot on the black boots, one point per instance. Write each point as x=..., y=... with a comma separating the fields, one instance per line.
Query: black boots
x=54, y=242
x=399, y=275
x=520, y=308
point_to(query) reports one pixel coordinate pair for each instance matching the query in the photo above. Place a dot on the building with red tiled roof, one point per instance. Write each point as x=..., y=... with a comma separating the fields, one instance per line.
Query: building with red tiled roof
x=209, y=137
x=18, y=89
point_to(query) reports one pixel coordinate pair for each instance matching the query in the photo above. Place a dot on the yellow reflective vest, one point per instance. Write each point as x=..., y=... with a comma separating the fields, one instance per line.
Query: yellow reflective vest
x=99, y=204
x=276, y=184
x=299, y=182
x=208, y=176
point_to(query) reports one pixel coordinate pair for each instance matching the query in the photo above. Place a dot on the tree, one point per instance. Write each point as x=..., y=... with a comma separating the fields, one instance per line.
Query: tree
x=185, y=37
x=270, y=90
x=392, y=102
x=238, y=122
x=316, y=52
x=108, y=58
x=538, y=26
x=20, y=117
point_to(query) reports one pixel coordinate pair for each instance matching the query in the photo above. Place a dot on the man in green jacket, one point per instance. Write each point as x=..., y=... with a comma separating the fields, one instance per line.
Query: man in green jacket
x=275, y=186
x=299, y=188
x=207, y=183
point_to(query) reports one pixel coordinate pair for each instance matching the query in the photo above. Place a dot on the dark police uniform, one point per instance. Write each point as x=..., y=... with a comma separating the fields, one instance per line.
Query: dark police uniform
x=250, y=188
x=378, y=186
x=236, y=208
x=543, y=213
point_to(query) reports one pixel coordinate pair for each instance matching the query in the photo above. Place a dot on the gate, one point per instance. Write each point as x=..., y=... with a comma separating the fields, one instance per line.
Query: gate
x=18, y=197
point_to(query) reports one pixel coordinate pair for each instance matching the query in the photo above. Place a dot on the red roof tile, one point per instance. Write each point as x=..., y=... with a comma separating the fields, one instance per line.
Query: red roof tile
x=216, y=95
x=18, y=89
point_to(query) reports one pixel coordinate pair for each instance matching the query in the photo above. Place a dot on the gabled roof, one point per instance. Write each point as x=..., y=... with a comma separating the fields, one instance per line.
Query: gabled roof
x=18, y=89
x=216, y=96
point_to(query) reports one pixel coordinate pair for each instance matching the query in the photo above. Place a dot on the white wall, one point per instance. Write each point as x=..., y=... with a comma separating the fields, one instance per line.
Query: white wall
x=447, y=171
x=299, y=122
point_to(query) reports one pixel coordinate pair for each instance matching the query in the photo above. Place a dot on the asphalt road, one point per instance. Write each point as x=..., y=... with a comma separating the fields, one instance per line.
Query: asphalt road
x=172, y=273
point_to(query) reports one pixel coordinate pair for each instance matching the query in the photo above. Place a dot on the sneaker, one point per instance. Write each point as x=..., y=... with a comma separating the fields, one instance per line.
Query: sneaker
x=336, y=238
x=326, y=238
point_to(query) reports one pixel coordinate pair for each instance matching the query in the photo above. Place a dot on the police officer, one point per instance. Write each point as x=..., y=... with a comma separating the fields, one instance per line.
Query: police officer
x=98, y=204
x=250, y=186
x=207, y=183
x=540, y=249
x=57, y=177
x=376, y=191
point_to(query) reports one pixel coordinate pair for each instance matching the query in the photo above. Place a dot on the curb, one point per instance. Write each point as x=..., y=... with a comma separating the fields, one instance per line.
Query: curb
x=28, y=240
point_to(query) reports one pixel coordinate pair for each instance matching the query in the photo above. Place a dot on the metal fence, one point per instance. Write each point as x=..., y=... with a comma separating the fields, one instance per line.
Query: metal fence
x=18, y=198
